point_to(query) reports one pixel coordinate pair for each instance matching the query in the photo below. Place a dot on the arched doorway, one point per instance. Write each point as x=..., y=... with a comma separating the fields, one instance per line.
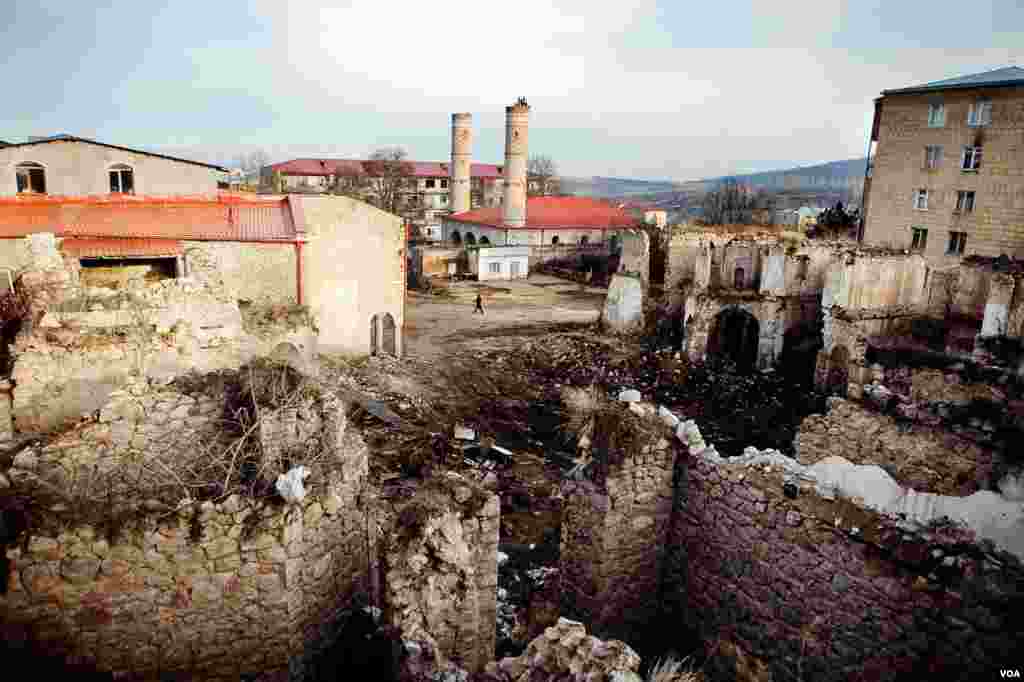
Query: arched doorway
x=388, y=341
x=470, y=239
x=734, y=335
x=456, y=237
x=800, y=346
x=374, y=334
x=838, y=372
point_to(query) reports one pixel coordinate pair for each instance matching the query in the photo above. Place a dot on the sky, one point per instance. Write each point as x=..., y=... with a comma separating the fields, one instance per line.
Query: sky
x=635, y=88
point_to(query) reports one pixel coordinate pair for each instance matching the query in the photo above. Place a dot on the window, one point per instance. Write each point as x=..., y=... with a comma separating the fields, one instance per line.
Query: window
x=921, y=200
x=964, y=202
x=936, y=115
x=919, y=240
x=554, y=240
x=932, y=156
x=31, y=178
x=980, y=113
x=430, y=183
x=444, y=199
x=957, y=242
x=444, y=183
x=970, y=160
x=738, y=278
x=495, y=267
x=122, y=179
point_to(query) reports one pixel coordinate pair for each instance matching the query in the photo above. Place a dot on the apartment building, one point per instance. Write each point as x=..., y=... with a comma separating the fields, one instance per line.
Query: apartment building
x=946, y=171
x=426, y=190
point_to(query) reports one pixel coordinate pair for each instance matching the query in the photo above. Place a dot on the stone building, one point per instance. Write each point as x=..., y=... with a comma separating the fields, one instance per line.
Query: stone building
x=66, y=165
x=947, y=174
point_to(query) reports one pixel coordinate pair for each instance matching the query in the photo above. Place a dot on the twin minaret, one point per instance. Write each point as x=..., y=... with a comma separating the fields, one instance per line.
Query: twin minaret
x=516, y=130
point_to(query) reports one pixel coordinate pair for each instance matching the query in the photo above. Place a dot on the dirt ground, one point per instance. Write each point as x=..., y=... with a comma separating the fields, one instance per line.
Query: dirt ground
x=441, y=323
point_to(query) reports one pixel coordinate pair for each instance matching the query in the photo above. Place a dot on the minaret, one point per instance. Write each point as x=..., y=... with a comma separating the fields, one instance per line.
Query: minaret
x=516, y=129
x=462, y=160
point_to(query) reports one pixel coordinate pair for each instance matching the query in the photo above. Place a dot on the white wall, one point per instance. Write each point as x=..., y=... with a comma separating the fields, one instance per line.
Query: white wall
x=80, y=168
x=504, y=258
x=353, y=267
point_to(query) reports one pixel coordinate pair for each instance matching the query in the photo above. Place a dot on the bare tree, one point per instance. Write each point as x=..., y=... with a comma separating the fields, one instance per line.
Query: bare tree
x=541, y=176
x=350, y=180
x=730, y=204
x=388, y=171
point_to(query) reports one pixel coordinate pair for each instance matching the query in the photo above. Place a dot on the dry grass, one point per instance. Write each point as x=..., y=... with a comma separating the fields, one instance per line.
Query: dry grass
x=673, y=670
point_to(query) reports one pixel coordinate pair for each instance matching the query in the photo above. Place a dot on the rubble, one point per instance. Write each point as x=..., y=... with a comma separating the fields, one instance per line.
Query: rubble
x=289, y=485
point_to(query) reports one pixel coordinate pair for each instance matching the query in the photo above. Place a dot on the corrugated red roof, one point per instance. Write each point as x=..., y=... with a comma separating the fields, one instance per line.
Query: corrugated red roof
x=548, y=212
x=108, y=247
x=222, y=218
x=421, y=169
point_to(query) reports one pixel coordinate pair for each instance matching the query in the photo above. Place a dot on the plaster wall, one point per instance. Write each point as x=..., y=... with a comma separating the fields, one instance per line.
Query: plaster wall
x=79, y=168
x=353, y=269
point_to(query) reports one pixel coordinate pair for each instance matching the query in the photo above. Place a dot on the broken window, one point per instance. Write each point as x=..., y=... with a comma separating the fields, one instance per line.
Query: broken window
x=957, y=242
x=31, y=178
x=554, y=240
x=122, y=179
x=919, y=239
x=932, y=156
x=964, y=202
x=936, y=115
x=921, y=200
x=980, y=113
x=970, y=160
x=444, y=183
x=115, y=273
x=430, y=183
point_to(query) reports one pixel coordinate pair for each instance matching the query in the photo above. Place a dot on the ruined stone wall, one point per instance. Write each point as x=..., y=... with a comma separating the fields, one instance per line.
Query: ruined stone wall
x=774, y=315
x=615, y=528
x=636, y=255
x=799, y=567
x=440, y=569
x=259, y=273
x=211, y=591
x=85, y=341
x=681, y=261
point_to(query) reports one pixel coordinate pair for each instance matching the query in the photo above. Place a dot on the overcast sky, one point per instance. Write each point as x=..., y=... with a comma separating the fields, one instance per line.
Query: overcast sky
x=647, y=89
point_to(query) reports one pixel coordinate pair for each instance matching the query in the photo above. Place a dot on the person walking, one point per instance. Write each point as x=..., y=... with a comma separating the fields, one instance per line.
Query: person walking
x=479, y=305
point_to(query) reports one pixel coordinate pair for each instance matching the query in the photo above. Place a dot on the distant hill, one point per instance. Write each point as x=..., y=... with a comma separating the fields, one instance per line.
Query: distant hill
x=601, y=187
x=835, y=175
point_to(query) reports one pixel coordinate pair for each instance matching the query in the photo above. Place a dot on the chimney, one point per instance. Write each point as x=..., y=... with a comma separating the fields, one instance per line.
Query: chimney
x=516, y=129
x=462, y=159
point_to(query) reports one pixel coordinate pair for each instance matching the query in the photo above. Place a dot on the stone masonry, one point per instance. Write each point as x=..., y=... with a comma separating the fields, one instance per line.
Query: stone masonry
x=615, y=529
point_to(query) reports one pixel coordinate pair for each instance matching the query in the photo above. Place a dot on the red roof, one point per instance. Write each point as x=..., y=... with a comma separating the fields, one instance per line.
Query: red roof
x=421, y=169
x=221, y=218
x=110, y=247
x=548, y=212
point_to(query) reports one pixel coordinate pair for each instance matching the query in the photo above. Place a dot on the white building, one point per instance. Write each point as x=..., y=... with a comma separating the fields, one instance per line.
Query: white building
x=499, y=262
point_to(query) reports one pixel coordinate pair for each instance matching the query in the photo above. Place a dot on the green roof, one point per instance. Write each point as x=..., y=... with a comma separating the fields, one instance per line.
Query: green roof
x=1006, y=76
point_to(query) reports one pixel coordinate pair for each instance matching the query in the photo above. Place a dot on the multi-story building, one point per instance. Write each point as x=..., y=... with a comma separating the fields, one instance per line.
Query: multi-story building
x=946, y=174
x=425, y=193
x=65, y=165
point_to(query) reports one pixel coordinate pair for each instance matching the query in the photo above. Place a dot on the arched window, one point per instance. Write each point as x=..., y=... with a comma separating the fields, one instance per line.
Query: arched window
x=456, y=237
x=388, y=341
x=554, y=240
x=122, y=179
x=31, y=178
x=470, y=238
x=584, y=240
x=484, y=240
